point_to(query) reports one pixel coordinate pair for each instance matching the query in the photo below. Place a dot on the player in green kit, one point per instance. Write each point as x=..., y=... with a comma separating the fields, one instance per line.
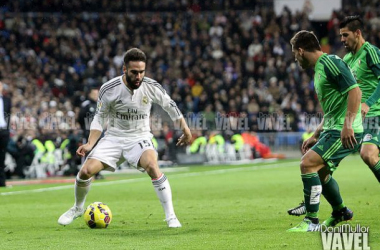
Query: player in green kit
x=364, y=60
x=336, y=137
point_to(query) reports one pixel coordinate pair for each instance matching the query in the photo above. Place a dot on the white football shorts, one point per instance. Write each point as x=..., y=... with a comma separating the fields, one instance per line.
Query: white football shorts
x=113, y=151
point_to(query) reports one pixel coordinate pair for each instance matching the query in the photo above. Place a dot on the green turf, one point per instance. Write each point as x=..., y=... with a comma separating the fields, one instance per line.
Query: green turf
x=220, y=207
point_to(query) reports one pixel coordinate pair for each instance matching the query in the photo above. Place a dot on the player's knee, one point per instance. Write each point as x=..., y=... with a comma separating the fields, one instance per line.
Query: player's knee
x=364, y=155
x=306, y=165
x=368, y=158
x=152, y=169
x=84, y=174
x=90, y=168
x=151, y=166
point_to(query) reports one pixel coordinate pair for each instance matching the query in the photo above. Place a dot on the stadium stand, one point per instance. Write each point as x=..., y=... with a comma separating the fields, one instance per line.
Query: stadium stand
x=228, y=58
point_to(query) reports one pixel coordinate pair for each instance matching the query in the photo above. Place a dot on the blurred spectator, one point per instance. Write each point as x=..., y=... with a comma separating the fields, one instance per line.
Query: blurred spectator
x=75, y=140
x=5, y=111
x=87, y=111
x=23, y=153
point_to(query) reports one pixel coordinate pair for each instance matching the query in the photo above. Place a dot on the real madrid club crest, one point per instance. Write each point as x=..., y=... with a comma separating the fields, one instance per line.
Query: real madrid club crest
x=145, y=100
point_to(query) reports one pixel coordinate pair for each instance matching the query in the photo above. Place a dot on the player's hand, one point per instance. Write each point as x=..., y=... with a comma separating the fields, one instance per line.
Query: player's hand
x=347, y=137
x=307, y=144
x=365, y=110
x=185, y=138
x=84, y=149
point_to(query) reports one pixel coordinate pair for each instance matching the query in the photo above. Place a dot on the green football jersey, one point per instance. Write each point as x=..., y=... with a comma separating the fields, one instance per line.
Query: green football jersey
x=365, y=65
x=332, y=81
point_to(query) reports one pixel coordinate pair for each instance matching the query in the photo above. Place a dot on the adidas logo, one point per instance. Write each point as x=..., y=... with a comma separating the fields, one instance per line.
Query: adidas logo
x=320, y=147
x=317, y=194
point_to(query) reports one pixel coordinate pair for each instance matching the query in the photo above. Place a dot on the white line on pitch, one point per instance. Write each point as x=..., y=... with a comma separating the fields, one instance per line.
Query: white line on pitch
x=210, y=172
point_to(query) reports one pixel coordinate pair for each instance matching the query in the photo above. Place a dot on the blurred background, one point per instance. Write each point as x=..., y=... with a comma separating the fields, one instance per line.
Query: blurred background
x=226, y=63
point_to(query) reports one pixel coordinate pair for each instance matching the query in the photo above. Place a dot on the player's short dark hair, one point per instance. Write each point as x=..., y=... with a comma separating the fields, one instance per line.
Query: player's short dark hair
x=306, y=40
x=134, y=55
x=353, y=23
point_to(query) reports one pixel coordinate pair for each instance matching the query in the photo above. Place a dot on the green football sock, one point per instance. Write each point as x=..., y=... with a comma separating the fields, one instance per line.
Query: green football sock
x=376, y=171
x=330, y=190
x=312, y=189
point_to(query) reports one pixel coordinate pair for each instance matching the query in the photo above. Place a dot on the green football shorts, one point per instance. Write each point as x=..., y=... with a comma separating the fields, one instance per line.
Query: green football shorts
x=371, y=127
x=330, y=148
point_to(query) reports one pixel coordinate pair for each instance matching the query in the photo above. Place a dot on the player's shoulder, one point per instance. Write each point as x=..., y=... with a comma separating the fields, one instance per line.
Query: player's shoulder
x=370, y=47
x=372, y=52
x=334, y=58
x=110, y=86
x=152, y=84
x=149, y=80
x=332, y=63
x=112, y=83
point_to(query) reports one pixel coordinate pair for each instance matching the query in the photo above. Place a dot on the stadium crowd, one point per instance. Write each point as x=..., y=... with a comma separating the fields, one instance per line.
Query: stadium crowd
x=229, y=58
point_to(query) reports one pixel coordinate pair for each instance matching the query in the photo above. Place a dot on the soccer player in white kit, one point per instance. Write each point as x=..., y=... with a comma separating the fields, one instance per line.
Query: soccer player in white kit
x=124, y=107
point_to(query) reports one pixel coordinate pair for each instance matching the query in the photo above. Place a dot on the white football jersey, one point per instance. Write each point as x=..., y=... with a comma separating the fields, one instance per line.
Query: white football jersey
x=126, y=113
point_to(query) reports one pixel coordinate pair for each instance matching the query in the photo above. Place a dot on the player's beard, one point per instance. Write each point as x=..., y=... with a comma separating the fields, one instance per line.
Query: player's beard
x=348, y=48
x=303, y=63
x=132, y=84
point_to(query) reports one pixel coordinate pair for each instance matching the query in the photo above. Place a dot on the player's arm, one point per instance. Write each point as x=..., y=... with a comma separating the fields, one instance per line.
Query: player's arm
x=159, y=96
x=347, y=84
x=353, y=105
x=92, y=139
x=373, y=98
x=94, y=136
x=186, y=136
x=340, y=74
x=373, y=61
x=307, y=144
x=319, y=130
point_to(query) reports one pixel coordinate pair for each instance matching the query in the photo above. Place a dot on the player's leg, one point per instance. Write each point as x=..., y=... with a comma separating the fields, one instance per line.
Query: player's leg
x=83, y=159
x=82, y=187
x=330, y=187
x=83, y=181
x=330, y=190
x=148, y=161
x=332, y=152
x=371, y=143
x=104, y=156
x=370, y=155
x=311, y=163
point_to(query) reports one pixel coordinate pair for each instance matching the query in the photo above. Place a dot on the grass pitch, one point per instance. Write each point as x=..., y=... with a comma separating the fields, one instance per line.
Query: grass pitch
x=220, y=207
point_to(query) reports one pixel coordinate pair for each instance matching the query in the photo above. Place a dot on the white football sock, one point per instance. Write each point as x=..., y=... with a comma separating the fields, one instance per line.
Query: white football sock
x=164, y=193
x=81, y=189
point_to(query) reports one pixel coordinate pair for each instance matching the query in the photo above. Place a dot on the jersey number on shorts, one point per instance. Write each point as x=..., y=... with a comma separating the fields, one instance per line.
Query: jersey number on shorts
x=145, y=143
